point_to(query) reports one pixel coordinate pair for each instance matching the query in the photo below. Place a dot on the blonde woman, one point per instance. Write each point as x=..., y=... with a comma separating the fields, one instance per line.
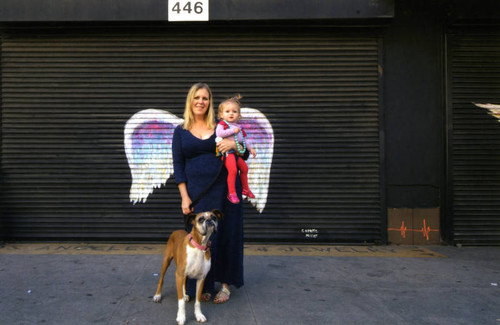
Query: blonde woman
x=195, y=166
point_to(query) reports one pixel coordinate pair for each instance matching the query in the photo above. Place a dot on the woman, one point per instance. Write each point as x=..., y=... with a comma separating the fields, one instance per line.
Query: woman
x=195, y=166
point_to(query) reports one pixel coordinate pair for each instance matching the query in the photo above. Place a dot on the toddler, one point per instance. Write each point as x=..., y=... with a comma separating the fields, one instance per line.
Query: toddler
x=229, y=113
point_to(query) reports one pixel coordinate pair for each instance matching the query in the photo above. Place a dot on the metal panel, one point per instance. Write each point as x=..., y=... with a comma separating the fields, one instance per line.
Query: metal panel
x=68, y=93
x=219, y=10
x=474, y=77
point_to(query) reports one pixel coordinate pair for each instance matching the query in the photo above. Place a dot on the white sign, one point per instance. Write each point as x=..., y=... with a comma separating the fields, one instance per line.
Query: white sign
x=187, y=10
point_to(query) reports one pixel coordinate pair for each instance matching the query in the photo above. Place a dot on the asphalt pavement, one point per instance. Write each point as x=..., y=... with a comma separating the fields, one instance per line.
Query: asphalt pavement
x=114, y=284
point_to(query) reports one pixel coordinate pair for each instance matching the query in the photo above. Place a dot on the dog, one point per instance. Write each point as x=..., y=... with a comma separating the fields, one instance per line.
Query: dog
x=191, y=253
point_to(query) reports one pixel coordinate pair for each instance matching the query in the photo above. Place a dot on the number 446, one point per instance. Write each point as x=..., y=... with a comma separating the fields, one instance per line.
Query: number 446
x=197, y=7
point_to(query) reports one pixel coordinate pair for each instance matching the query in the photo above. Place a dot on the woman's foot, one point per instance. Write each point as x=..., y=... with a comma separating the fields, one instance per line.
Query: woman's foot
x=222, y=296
x=233, y=198
x=248, y=193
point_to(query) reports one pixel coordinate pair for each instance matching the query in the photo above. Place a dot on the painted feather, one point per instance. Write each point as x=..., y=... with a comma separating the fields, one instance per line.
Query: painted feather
x=493, y=109
x=260, y=132
x=148, y=146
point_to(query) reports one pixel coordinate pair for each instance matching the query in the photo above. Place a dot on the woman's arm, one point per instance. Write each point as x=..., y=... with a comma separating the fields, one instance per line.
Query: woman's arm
x=228, y=144
x=179, y=170
x=178, y=157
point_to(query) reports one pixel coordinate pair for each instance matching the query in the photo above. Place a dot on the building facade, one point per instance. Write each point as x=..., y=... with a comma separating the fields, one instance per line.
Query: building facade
x=376, y=135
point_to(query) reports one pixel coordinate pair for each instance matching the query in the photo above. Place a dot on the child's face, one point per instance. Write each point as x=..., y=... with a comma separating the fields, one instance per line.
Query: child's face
x=230, y=112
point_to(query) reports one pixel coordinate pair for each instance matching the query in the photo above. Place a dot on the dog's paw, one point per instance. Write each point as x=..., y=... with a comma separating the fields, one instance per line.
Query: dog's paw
x=187, y=298
x=200, y=318
x=157, y=298
x=181, y=319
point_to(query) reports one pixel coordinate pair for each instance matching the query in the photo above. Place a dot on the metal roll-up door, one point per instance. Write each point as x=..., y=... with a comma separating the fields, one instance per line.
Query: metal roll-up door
x=474, y=77
x=67, y=95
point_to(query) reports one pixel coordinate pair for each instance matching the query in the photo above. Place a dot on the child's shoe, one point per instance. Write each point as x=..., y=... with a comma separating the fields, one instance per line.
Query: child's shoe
x=233, y=198
x=248, y=193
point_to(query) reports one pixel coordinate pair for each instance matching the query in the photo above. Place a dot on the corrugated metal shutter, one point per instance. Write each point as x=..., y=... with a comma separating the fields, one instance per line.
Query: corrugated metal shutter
x=474, y=76
x=68, y=93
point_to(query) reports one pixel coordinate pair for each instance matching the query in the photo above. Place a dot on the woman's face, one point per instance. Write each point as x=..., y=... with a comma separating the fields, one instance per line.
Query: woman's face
x=200, y=103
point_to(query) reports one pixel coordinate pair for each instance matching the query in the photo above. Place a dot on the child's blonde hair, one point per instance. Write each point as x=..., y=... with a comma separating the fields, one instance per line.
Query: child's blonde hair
x=235, y=99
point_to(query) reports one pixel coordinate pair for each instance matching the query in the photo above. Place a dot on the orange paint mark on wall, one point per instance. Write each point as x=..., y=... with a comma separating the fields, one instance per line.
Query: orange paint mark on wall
x=425, y=230
x=402, y=229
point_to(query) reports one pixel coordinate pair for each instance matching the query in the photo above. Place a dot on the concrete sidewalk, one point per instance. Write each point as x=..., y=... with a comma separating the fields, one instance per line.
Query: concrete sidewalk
x=71, y=284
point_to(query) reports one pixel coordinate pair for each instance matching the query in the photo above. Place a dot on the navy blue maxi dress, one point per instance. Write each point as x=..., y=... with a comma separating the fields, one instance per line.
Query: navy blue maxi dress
x=195, y=164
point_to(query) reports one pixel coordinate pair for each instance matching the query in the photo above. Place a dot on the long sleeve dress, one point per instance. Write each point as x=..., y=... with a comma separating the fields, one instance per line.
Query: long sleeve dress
x=196, y=164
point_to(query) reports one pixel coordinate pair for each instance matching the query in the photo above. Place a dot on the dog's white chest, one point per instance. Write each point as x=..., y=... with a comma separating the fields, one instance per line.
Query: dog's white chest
x=197, y=266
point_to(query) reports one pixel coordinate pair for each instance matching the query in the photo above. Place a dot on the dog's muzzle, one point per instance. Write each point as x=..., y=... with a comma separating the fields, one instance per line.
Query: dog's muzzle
x=209, y=223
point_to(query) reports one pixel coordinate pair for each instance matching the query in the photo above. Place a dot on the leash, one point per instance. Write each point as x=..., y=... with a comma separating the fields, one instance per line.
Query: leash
x=206, y=189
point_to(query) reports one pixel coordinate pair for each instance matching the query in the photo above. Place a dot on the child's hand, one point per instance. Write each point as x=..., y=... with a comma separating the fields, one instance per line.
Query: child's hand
x=253, y=152
x=236, y=130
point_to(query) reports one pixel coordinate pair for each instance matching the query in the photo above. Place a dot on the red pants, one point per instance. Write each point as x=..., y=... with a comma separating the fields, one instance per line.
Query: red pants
x=233, y=164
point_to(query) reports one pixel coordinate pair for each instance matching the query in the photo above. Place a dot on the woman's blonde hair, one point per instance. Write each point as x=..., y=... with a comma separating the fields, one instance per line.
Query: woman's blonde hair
x=235, y=99
x=188, y=113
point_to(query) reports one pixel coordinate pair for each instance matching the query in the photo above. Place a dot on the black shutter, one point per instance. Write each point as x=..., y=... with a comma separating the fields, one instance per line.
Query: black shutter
x=474, y=77
x=67, y=95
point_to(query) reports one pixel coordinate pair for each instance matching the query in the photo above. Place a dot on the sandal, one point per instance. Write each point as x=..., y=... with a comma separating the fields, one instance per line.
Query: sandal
x=222, y=296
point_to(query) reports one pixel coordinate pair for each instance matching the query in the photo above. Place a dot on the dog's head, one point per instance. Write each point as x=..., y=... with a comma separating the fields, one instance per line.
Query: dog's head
x=204, y=222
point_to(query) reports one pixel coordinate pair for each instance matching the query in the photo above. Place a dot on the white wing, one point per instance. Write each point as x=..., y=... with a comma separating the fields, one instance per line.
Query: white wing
x=260, y=132
x=493, y=109
x=148, y=146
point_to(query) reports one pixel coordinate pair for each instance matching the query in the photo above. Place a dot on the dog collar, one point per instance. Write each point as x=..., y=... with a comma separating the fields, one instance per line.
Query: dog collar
x=200, y=247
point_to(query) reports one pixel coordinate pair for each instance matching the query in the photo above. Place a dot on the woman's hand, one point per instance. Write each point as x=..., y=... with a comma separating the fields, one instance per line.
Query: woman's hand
x=186, y=206
x=185, y=199
x=226, y=145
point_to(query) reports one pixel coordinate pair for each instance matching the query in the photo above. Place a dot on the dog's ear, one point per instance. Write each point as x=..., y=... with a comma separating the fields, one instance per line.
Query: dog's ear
x=218, y=214
x=189, y=218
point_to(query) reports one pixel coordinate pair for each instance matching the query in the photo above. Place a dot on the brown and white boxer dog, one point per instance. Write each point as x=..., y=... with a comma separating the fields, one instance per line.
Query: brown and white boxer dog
x=191, y=253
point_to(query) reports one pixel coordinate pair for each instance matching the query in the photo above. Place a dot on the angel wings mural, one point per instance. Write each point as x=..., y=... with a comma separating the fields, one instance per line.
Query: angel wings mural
x=148, y=147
